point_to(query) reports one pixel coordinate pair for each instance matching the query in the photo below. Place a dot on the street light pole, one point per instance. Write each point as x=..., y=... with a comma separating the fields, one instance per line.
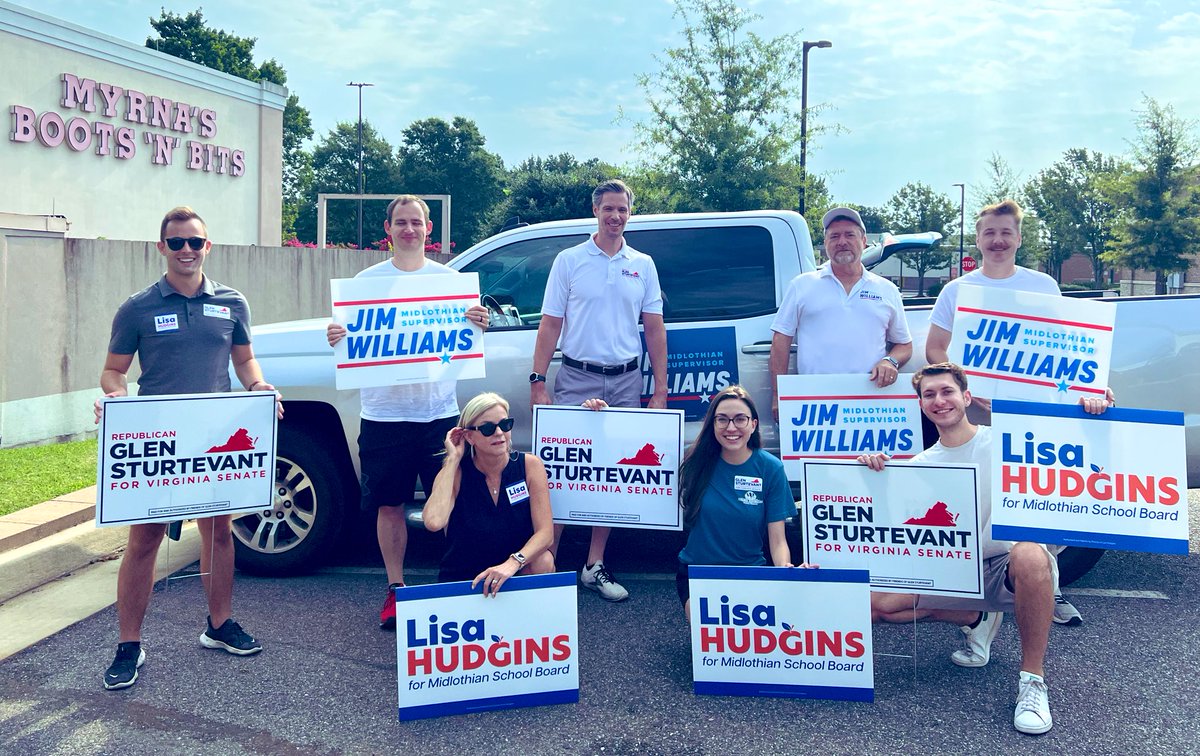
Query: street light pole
x=962, y=214
x=360, y=86
x=804, y=117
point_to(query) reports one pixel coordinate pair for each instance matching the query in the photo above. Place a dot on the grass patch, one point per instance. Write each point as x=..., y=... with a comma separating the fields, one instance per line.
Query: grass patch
x=32, y=474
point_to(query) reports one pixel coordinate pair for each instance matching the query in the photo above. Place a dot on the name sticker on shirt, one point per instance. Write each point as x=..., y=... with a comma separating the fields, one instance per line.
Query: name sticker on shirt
x=517, y=492
x=746, y=483
x=216, y=311
x=166, y=323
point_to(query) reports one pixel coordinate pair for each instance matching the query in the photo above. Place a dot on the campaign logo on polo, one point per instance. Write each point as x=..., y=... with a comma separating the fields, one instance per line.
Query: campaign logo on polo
x=463, y=652
x=217, y=311
x=870, y=295
x=630, y=273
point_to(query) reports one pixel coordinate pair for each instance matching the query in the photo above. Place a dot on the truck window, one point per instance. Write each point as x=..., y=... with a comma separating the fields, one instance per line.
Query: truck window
x=515, y=274
x=712, y=273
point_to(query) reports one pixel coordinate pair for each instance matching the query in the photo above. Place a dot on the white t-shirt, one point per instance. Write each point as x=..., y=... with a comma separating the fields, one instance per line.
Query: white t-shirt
x=837, y=332
x=410, y=402
x=600, y=298
x=977, y=451
x=1022, y=279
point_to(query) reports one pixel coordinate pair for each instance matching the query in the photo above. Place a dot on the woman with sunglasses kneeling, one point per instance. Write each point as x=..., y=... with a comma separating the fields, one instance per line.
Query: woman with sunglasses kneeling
x=493, y=503
x=733, y=493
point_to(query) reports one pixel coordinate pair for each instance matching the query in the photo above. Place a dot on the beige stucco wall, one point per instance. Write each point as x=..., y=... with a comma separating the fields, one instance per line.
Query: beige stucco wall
x=104, y=196
x=60, y=296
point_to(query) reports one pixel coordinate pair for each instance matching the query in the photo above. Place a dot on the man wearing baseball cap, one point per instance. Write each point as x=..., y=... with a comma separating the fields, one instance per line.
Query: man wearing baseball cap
x=842, y=317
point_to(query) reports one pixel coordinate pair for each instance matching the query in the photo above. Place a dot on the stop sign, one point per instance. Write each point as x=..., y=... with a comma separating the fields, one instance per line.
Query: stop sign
x=969, y=264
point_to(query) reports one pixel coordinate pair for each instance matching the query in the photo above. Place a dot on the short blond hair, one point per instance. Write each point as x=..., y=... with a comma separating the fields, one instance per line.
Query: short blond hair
x=479, y=404
x=1007, y=207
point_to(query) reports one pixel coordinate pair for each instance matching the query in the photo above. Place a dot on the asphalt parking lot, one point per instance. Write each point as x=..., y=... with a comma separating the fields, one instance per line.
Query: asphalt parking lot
x=326, y=681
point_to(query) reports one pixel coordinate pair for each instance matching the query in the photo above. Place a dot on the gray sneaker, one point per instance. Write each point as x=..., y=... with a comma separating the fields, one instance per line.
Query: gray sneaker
x=1032, y=715
x=1065, y=612
x=597, y=578
x=979, y=641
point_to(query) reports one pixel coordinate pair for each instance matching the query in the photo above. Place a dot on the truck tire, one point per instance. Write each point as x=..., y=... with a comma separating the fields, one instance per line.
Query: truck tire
x=305, y=519
x=1075, y=561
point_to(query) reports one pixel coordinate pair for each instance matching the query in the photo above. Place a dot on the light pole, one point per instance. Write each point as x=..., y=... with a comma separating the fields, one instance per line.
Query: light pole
x=804, y=117
x=962, y=214
x=360, y=86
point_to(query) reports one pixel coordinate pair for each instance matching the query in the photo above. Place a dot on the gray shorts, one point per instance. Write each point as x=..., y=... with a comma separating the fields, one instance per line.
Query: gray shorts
x=997, y=591
x=573, y=386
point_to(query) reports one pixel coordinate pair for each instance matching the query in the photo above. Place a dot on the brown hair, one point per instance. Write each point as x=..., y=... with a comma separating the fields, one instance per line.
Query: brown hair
x=940, y=368
x=181, y=213
x=614, y=186
x=697, y=468
x=1007, y=207
x=406, y=199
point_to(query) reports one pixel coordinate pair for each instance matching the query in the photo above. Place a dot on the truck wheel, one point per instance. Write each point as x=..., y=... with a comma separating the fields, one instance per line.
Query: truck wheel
x=305, y=518
x=1075, y=561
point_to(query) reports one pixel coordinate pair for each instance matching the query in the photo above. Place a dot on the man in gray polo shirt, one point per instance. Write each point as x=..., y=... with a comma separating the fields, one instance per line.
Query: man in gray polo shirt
x=184, y=329
x=594, y=296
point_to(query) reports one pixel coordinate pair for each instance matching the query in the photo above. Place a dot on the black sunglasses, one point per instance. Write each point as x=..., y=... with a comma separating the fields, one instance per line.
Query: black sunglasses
x=489, y=429
x=176, y=242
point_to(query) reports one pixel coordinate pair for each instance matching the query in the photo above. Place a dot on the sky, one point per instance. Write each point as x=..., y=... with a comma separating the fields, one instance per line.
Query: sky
x=911, y=90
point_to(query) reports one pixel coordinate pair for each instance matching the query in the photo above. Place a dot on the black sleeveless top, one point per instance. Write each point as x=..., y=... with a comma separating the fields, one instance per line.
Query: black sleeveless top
x=481, y=533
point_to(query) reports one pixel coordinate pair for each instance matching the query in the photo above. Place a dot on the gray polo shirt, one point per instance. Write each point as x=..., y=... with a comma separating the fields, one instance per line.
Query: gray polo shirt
x=182, y=343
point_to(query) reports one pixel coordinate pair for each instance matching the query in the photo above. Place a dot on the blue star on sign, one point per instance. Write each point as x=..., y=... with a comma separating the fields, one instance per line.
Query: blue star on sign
x=446, y=361
x=1063, y=386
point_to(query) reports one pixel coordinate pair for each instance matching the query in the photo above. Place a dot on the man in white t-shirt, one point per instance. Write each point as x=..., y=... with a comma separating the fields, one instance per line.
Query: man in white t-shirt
x=843, y=317
x=596, y=292
x=1017, y=576
x=998, y=237
x=402, y=428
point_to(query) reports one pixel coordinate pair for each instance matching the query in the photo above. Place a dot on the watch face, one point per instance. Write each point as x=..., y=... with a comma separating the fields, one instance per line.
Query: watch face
x=535, y=377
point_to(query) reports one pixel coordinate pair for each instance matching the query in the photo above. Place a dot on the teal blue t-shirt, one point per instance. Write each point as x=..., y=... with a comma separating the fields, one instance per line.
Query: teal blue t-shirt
x=738, y=504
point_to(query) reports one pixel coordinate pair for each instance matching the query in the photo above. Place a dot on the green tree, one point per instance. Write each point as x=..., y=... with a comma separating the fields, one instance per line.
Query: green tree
x=724, y=127
x=335, y=171
x=558, y=187
x=437, y=157
x=190, y=38
x=1161, y=228
x=1071, y=200
x=915, y=208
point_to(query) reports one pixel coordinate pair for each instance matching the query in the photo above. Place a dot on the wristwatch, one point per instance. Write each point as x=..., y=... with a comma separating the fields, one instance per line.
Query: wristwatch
x=519, y=557
x=892, y=360
x=535, y=378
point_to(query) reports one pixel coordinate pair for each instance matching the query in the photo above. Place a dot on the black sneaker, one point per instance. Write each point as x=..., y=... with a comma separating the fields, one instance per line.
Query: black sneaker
x=231, y=637
x=123, y=672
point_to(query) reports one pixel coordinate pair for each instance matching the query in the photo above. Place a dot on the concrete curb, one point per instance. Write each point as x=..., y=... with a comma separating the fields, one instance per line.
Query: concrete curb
x=25, y=526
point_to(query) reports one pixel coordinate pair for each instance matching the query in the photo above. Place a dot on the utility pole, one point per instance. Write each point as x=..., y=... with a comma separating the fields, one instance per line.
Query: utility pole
x=360, y=86
x=804, y=118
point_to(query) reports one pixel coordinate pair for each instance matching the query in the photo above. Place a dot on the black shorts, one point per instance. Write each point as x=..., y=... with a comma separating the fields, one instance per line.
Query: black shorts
x=681, y=583
x=393, y=455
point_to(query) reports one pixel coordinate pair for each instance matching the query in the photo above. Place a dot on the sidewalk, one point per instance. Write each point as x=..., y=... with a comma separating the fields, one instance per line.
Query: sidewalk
x=41, y=545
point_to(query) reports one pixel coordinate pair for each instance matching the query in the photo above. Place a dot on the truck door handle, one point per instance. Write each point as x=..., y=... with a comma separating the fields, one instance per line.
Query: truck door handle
x=762, y=347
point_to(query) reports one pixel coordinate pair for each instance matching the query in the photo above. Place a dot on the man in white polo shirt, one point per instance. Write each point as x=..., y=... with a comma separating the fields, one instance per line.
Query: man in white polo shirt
x=595, y=294
x=843, y=317
x=998, y=237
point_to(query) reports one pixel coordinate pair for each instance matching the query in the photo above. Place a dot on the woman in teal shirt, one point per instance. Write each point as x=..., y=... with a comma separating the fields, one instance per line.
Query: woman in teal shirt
x=732, y=492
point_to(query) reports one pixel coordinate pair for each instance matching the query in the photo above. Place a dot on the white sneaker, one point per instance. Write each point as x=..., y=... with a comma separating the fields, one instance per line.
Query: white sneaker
x=597, y=578
x=979, y=641
x=1032, y=715
x=1065, y=612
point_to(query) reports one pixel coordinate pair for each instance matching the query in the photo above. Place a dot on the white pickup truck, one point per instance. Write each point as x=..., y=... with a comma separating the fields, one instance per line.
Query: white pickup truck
x=723, y=276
